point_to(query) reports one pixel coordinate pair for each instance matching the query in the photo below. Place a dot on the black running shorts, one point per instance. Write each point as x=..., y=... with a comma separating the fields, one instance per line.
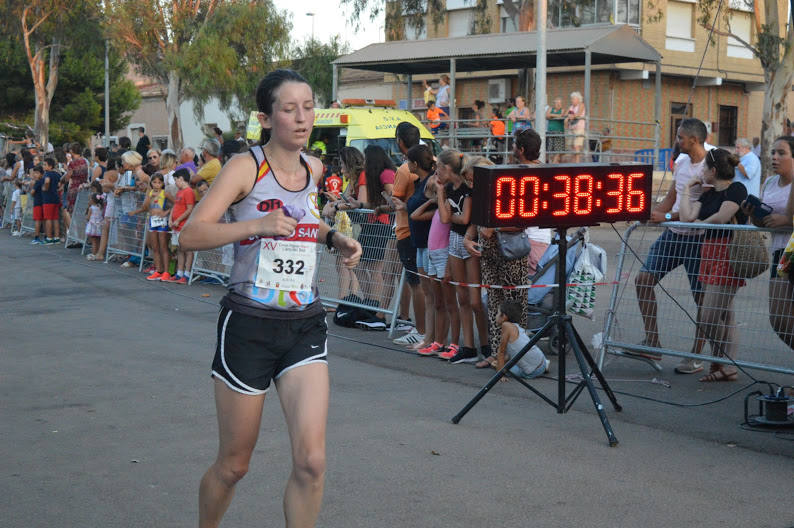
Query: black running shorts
x=252, y=351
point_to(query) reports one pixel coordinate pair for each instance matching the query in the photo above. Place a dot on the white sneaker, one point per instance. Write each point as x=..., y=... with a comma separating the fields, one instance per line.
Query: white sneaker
x=411, y=338
x=15, y=233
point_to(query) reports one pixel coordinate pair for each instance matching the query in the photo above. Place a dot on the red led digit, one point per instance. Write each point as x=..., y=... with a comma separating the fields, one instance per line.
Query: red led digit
x=522, y=193
x=579, y=194
x=502, y=211
x=617, y=193
x=635, y=193
x=565, y=195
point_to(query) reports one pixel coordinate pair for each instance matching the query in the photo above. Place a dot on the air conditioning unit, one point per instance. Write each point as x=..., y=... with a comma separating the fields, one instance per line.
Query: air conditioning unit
x=497, y=90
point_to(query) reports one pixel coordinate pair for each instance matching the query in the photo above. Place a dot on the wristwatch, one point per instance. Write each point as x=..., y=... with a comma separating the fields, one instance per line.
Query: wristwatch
x=668, y=216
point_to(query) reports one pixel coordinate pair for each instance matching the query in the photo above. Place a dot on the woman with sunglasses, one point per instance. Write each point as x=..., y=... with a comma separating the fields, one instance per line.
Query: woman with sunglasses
x=718, y=205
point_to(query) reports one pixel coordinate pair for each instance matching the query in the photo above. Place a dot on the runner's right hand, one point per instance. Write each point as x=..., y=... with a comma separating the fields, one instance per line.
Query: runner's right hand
x=276, y=223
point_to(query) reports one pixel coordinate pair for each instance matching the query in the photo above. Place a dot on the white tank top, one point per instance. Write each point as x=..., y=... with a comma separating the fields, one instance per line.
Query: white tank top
x=274, y=274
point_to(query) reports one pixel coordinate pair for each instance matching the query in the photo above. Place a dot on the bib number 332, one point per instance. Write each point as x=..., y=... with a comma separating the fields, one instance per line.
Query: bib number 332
x=286, y=265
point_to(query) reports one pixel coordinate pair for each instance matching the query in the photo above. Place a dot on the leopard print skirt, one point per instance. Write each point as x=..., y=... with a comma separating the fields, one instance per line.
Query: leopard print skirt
x=495, y=269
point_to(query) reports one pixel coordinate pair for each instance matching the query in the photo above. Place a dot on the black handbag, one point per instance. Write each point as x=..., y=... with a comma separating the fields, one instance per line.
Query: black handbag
x=514, y=245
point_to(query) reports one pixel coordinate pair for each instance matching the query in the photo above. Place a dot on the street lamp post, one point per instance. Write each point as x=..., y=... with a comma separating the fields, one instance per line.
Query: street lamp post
x=310, y=14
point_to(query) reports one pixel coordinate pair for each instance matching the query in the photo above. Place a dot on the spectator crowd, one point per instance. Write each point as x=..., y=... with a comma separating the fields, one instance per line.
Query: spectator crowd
x=420, y=209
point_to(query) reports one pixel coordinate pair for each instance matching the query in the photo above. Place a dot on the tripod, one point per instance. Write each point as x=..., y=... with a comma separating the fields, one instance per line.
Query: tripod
x=566, y=333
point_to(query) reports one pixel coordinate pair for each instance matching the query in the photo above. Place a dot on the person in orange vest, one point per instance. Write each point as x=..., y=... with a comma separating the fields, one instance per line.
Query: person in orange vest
x=434, y=117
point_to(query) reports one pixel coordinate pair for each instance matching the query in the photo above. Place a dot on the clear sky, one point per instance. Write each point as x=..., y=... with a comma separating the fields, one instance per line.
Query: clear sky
x=330, y=18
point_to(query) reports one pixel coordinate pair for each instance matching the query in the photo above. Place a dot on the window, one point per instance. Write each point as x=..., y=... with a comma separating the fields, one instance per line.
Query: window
x=565, y=13
x=508, y=24
x=728, y=125
x=679, y=27
x=411, y=33
x=460, y=23
x=678, y=112
x=740, y=26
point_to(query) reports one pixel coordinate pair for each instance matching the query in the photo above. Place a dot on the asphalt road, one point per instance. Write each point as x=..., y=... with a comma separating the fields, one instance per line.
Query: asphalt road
x=108, y=421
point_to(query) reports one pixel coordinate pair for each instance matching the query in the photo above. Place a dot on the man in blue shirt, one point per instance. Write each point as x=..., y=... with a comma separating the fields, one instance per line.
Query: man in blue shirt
x=52, y=202
x=748, y=172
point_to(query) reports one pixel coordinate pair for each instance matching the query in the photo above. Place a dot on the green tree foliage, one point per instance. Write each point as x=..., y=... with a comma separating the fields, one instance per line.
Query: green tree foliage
x=77, y=108
x=201, y=49
x=313, y=60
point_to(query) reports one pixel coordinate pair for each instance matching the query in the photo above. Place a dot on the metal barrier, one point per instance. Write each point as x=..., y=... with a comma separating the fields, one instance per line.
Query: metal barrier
x=624, y=138
x=28, y=225
x=127, y=233
x=76, y=231
x=376, y=283
x=7, y=211
x=746, y=329
x=213, y=263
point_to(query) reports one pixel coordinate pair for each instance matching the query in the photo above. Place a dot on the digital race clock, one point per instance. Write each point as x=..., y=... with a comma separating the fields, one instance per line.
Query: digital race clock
x=560, y=195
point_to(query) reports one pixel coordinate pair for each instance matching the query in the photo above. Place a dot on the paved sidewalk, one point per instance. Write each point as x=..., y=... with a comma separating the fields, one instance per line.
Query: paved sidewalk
x=108, y=421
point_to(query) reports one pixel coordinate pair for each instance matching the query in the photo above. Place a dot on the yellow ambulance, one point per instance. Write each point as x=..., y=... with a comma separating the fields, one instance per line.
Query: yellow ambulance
x=355, y=127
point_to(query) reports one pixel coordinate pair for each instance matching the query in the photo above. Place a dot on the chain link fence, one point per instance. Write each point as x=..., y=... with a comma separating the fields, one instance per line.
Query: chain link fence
x=8, y=212
x=76, y=232
x=127, y=233
x=700, y=307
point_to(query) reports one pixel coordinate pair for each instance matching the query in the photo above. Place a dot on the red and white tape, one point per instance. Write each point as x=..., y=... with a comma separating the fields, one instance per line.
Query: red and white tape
x=517, y=287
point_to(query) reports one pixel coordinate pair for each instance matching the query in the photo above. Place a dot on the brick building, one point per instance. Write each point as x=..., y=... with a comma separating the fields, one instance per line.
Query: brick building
x=728, y=96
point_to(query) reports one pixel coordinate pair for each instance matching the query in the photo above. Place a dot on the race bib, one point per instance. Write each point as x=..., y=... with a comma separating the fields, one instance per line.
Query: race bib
x=158, y=221
x=286, y=265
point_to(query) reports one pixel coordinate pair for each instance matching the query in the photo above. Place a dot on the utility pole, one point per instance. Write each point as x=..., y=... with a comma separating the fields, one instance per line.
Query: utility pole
x=540, y=75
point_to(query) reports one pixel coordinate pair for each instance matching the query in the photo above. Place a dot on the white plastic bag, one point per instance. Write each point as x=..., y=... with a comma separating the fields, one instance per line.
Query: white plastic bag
x=582, y=296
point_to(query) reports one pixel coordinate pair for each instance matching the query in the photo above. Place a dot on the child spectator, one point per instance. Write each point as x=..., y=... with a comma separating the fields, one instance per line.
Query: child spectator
x=421, y=163
x=16, y=209
x=497, y=127
x=37, y=173
x=155, y=205
x=445, y=315
x=514, y=339
x=94, y=220
x=434, y=116
x=185, y=200
x=52, y=202
x=455, y=207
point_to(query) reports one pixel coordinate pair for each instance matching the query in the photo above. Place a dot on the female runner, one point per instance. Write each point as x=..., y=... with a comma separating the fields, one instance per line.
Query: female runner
x=271, y=325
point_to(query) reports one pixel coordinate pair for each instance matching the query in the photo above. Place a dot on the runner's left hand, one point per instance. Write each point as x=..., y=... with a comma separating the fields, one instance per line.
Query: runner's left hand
x=350, y=250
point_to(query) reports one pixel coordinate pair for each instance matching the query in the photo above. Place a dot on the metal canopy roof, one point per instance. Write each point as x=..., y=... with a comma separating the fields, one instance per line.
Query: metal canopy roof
x=608, y=44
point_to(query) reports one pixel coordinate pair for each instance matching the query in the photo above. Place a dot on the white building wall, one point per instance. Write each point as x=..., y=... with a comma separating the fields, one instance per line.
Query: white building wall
x=193, y=131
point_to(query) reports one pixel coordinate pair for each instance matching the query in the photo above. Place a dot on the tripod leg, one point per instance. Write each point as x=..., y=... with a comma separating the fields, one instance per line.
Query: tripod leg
x=513, y=360
x=597, y=371
x=577, y=351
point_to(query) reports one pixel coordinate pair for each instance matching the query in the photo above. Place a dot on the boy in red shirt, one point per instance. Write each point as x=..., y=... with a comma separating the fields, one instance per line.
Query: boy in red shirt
x=185, y=200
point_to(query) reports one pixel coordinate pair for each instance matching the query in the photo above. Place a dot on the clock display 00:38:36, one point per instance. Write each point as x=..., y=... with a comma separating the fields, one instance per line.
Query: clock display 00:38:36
x=563, y=195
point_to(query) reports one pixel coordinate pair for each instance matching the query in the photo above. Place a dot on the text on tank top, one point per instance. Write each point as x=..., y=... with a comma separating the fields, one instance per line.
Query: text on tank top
x=277, y=273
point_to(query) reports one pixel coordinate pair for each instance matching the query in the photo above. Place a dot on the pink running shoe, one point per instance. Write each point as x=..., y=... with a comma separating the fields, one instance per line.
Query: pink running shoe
x=449, y=353
x=431, y=350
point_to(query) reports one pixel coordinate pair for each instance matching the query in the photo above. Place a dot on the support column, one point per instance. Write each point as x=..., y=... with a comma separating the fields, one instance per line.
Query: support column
x=453, y=114
x=588, y=59
x=334, y=82
x=657, y=112
x=409, y=88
